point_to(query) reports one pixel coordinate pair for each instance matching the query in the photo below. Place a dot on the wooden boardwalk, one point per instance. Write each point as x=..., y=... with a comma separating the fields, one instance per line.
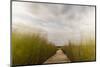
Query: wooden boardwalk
x=59, y=57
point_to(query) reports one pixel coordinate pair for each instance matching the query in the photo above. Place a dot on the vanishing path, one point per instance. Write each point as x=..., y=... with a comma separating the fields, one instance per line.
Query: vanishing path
x=59, y=57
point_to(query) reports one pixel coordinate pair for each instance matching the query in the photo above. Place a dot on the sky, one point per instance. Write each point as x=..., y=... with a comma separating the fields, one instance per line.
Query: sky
x=59, y=22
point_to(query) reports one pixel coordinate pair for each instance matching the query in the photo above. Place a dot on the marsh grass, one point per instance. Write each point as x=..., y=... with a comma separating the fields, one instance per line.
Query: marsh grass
x=30, y=49
x=84, y=51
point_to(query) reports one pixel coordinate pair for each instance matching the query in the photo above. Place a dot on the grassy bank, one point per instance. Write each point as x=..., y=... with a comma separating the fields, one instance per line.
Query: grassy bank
x=84, y=51
x=30, y=49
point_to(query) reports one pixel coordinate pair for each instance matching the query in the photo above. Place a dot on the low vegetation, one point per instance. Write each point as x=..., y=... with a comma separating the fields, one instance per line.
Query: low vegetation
x=34, y=49
x=84, y=51
x=30, y=49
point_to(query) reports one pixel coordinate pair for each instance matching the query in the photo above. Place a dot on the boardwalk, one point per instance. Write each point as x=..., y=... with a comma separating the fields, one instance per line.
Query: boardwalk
x=59, y=57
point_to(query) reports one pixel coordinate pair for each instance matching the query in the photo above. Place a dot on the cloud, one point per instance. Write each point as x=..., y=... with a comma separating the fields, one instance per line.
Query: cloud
x=61, y=22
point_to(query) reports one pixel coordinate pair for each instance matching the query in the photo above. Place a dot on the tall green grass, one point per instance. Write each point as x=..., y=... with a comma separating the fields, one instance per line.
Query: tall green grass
x=30, y=49
x=84, y=51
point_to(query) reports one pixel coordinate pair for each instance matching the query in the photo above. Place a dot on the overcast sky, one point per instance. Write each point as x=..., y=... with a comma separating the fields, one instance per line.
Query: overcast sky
x=60, y=22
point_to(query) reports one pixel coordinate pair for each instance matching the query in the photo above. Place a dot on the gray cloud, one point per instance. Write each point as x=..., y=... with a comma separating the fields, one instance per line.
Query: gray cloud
x=61, y=22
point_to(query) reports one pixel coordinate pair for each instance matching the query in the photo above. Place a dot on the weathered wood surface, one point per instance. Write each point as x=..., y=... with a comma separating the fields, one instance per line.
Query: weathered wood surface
x=59, y=57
